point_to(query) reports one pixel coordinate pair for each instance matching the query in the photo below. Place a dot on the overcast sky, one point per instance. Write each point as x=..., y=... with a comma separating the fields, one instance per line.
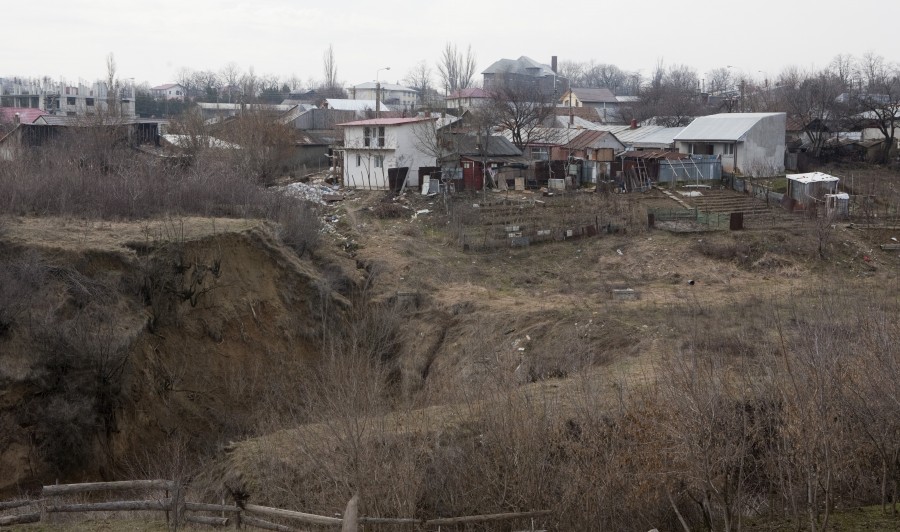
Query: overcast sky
x=152, y=40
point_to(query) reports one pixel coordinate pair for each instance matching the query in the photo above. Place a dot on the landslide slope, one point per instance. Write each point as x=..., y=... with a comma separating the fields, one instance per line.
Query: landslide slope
x=118, y=339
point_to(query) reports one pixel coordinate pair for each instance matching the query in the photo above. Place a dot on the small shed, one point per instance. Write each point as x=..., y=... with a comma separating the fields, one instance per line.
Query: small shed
x=806, y=189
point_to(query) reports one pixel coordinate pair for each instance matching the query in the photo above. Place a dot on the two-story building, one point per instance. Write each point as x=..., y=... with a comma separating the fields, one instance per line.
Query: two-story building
x=393, y=95
x=168, y=91
x=377, y=150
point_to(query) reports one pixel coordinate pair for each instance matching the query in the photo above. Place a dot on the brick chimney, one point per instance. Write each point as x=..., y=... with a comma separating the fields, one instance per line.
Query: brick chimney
x=634, y=123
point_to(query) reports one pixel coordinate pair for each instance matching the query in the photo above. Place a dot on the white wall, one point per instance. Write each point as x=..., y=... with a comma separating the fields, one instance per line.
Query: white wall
x=400, y=149
x=762, y=152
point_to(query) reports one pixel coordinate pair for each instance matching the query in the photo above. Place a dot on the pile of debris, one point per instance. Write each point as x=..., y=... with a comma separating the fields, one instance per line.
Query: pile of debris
x=316, y=193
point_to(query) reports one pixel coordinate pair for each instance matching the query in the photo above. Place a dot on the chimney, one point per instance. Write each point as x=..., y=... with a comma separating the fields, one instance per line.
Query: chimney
x=16, y=119
x=634, y=123
x=553, y=64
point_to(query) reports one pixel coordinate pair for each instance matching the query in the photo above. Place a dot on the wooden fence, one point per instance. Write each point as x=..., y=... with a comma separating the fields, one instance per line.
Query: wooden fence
x=178, y=511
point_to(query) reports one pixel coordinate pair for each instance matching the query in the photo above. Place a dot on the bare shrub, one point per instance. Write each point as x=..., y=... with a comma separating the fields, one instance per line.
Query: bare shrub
x=90, y=173
x=22, y=275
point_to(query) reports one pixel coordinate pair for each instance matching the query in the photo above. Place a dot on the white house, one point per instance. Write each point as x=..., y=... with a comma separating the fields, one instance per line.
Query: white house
x=169, y=91
x=751, y=144
x=469, y=98
x=373, y=147
x=391, y=94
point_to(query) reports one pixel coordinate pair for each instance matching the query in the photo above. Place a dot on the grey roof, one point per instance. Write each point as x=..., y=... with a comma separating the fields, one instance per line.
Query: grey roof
x=659, y=137
x=523, y=65
x=497, y=146
x=238, y=106
x=88, y=121
x=555, y=136
x=343, y=104
x=588, y=95
x=723, y=126
x=384, y=87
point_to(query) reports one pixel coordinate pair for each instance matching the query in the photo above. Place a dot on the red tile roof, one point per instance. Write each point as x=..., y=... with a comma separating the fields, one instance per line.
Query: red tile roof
x=27, y=115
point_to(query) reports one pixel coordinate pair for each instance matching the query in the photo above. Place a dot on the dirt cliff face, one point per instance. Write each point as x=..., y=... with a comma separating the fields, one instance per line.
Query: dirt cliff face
x=113, y=348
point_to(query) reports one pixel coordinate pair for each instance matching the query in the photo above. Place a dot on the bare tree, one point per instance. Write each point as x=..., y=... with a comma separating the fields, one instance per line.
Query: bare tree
x=329, y=68
x=112, y=86
x=230, y=76
x=879, y=99
x=719, y=80
x=519, y=108
x=671, y=98
x=813, y=98
x=420, y=79
x=209, y=84
x=249, y=83
x=455, y=68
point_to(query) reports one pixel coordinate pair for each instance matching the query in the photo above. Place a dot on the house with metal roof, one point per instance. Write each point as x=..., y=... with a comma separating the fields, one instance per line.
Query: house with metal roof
x=750, y=144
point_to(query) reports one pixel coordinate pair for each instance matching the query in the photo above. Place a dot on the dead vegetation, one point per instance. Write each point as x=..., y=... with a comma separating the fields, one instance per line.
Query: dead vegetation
x=751, y=379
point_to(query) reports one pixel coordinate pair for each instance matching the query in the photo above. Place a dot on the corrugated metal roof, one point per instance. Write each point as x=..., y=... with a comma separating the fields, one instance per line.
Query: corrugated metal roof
x=723, y=126
x=812, y=177
x=658, y=138
x=387, y=121
x=89, y=121
x=238, y=106
x=384, y=87
x=595, y=139
x=552, y=136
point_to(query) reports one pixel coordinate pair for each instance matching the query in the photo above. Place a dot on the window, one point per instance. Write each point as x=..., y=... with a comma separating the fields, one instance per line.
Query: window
x=358, y=160
x=373, y=136
x=540, y=153
x=70, y=101
x=379, y=160
x=89, y=102
x=728, y=149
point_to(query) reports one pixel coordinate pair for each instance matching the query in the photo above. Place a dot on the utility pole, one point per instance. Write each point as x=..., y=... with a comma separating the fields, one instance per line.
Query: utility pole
x=378, y=91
